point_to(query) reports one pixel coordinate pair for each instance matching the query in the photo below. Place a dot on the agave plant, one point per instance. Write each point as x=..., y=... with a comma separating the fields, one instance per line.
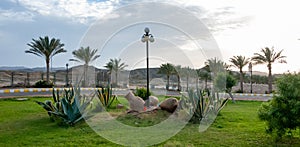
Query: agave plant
x=71, y=108
x=200, y=104
x=106, y=97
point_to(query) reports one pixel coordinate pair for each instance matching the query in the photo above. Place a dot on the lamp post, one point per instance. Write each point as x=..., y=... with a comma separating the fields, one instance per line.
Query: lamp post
x=250, y=70
x=67, y=75
x=146, y=38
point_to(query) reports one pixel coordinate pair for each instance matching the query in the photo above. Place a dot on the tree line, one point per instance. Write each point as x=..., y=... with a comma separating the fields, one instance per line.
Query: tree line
x=47, y=48
x=213, y=66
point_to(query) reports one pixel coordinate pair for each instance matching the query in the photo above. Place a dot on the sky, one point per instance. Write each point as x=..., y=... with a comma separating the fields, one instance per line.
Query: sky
x=186, y=32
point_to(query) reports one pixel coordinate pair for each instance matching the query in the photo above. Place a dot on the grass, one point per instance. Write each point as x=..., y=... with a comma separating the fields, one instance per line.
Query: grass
x=24, y=123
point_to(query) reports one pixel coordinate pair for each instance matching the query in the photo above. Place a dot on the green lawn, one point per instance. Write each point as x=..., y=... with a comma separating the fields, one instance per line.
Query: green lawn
x=24, y=123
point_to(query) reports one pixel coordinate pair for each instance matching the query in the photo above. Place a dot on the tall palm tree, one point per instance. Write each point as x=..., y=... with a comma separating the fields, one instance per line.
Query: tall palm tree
x=204, y=73
x=188, y=72
x=268, y=57
x=115, y=66
x=167, y=69
x=43, y=47
x=215, y=65
x=85, y=55
x=239, y=62
x=179, y=72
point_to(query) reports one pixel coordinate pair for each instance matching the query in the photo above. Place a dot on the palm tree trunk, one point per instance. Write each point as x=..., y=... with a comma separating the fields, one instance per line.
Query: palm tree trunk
x=205, y=86
x=116, y=74
x=187, y=83
x=85, y=75
x=270, y=77
x=241, y=81
x=47, y=68
x=178, y=83
x=168, y=82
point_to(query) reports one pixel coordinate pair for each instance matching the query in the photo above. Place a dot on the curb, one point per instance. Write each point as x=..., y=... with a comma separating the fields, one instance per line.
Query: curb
x=25, y=90
x=252, y=94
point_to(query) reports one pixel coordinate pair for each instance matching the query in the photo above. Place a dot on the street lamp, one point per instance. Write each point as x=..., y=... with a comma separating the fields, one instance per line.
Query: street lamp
x=250, y=70
x=67, y=75
x=146, y=38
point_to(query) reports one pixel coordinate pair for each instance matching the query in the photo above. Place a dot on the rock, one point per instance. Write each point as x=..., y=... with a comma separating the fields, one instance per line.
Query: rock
x=135, y=103
x=120, y=106
x=153, y=101
x=169, y=105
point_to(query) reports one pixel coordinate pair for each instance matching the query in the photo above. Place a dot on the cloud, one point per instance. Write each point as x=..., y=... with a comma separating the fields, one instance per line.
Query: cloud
x=220, y=19
x=12, y=15
x=82, y=11
x=86, y=11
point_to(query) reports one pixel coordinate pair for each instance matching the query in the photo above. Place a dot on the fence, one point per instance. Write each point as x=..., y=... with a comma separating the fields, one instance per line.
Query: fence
x=59, y=78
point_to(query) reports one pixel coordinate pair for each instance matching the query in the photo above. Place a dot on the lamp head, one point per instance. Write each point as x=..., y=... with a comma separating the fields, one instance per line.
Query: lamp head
x=147, y=30
x=151, y=38
x=143, y=39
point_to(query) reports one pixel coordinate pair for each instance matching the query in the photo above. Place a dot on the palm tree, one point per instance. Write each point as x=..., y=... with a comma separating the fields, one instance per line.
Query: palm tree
x=188, y=72
x=85, y=55
x=167, y=69
x=115, y=66
x=43, y=47
x=216, y=66
x=268, y=57
x=178, y=72
x=239, y=62
x=204, y=73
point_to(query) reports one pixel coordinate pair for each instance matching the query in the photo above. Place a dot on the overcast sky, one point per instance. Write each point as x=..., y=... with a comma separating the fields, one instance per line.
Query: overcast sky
x=239, y=27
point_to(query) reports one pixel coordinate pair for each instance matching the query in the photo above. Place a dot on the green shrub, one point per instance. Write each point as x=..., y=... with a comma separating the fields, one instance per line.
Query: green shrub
x=69, y=109
x=106, y=97
x=224, y=82
x=43, y=84
x=282, y=112
x=142, y=92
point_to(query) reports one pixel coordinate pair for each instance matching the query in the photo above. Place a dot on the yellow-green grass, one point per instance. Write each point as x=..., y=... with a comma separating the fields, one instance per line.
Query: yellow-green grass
x=24, y=123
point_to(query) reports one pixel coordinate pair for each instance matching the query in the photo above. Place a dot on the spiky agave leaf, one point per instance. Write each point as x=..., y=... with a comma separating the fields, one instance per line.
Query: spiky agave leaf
x=45, y=106
x=106, y=96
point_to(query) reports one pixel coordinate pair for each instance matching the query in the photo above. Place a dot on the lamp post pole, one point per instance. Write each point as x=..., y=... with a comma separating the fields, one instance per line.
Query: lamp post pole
x=67, y=75
x=146, y=38
x=147, y=54
x=250, y=70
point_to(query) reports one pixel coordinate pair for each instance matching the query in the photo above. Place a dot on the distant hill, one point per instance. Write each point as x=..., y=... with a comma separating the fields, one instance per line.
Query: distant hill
x=26, y=69
x=259, y=73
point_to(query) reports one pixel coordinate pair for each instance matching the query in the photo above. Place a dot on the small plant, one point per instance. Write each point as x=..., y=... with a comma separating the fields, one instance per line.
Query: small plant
x=69, y=109
x=142, y=93
x=282, y=112
x=106, y=97
x=199, y=104
x=43, y=84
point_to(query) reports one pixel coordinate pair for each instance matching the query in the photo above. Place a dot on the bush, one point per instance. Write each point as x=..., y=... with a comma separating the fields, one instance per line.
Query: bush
x=142, y=92
x=43, y=84
x=224, y=82
x=282, y=112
